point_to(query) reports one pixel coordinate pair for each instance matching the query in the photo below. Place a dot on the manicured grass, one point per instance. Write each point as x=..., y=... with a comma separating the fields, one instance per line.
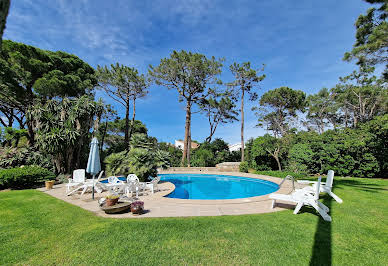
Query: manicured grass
x=36, y=228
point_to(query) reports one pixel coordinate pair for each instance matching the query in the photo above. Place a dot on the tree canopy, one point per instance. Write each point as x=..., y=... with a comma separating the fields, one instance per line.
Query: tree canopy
x=279, y=105
x=371, y=46
x=28, y=73
x=124, y=85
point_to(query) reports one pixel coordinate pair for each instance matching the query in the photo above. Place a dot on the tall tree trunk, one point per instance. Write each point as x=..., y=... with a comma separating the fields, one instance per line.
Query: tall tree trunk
x=30, y=123
x=242, y=125
x=189, y=144
x=4, y=8
x=187, y=127
x=126, y=136
x=278, y=161
x=133, y=119
x=103, y=135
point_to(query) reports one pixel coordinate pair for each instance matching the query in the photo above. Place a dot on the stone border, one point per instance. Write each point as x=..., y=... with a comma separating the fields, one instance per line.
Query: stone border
x=159, y=206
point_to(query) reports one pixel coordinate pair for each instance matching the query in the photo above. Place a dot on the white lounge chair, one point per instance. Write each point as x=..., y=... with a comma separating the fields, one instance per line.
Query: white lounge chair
x=77, y=180
x=115, y=185
x=153, y=185
x=302, y=197
x=89, y=185
x=325, y=187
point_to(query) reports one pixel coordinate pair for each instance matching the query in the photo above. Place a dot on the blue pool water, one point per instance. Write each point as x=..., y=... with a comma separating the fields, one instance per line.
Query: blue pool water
x=212, y=187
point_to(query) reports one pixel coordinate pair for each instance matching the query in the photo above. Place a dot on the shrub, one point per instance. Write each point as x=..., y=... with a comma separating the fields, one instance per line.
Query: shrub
x=282, y=174
x=202, y=158
x=24, y=177
x=13, y=157
x=244, y=167
x=300, y=158
x=142, y=162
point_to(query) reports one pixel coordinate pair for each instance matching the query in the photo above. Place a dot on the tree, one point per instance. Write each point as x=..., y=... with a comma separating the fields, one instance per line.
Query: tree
x=322, y=110
x=371, y=46
x=124, y=85
x=280, y=104
x=246, y=80
x=362, y=95
x=268, y=145
x=112, y=134
x=62, y=129
x=189, y=74
x=219, y=109
x=28, y=73
x=4, y=8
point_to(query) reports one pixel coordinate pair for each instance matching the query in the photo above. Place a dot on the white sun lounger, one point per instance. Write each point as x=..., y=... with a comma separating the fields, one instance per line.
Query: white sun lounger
x=324, y=187
x=77, y=179
x=301, y=198
x=89, y=185
x=115, y=185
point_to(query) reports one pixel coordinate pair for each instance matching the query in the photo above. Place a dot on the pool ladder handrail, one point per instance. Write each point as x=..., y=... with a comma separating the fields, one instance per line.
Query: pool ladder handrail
x=288, y=177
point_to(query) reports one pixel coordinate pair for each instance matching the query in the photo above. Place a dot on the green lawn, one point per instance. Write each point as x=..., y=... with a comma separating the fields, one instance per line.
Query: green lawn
x=36, y=228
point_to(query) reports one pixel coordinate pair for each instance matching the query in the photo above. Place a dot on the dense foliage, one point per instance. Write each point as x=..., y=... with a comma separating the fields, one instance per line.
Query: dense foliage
x=143, y=159
x=13, y=157
x=24, y=177
x=213, y=153
x=244, y=167
x=28, y=73
x=62, y=129
x=359, y=152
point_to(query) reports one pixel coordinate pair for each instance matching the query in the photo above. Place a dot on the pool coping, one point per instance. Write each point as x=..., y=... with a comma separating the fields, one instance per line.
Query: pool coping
x=157, y=205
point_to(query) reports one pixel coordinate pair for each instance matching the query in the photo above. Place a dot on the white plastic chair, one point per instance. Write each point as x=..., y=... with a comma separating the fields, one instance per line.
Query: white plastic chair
x=301, y=198
x=153, y=185
x=77, y=180
x=133, y=185
x=324, y=187
x=132, y=177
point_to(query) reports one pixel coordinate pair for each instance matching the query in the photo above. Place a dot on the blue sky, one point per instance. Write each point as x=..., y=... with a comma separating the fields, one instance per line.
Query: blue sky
x=300, y=42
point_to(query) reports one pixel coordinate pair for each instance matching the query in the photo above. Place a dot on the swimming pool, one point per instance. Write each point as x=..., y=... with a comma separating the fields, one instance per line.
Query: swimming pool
x=216, y=187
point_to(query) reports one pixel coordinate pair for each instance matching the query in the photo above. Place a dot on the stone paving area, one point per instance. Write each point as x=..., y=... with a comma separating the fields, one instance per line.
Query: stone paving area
x=156, y=205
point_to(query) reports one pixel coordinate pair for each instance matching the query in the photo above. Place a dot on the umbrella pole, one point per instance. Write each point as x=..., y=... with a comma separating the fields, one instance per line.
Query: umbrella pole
x=93, y=188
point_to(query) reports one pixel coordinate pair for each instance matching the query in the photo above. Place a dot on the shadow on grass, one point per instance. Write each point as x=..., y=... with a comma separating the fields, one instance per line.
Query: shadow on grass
x=321, y=253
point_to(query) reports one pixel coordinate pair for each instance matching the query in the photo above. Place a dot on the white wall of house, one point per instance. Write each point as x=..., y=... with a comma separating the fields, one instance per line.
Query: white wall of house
x=235, y=147
x=179, y=144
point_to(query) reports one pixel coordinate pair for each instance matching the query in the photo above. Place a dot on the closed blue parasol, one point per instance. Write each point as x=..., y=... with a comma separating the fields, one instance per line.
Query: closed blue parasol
x=94, y=164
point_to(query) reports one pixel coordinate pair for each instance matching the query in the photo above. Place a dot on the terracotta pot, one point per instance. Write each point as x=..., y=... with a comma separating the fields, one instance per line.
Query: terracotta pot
x=136, y=209
x=49, y=184
x=111, y=202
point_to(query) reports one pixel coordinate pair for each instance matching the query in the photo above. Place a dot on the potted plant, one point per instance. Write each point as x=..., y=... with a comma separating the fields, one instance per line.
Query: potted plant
x=111, y=200
x=49, y=184
x=137, y=207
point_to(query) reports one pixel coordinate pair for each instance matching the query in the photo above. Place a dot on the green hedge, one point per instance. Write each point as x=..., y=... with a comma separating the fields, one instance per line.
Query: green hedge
x=24, y=177
x=282, y=174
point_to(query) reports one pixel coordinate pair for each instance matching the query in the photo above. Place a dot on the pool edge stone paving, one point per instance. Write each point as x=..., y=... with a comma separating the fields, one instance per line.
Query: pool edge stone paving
x=157, y=205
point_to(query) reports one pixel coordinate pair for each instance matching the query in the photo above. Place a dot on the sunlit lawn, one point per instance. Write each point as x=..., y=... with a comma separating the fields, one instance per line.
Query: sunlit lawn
x=36, y=228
